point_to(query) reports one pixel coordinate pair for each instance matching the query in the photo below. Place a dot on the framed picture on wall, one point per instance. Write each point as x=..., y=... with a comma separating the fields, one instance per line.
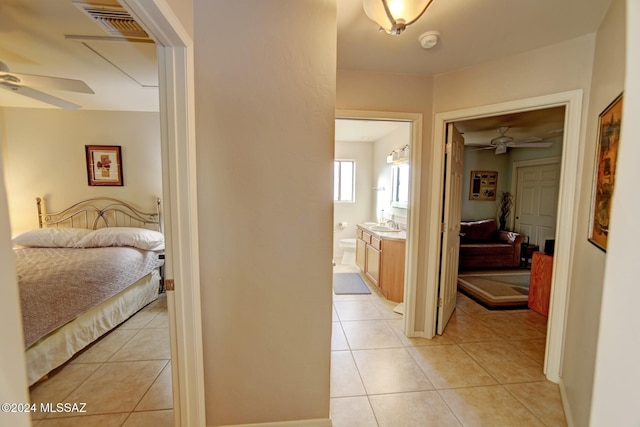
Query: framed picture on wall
x=484, y=185
x=605, y=173
x=104, y=165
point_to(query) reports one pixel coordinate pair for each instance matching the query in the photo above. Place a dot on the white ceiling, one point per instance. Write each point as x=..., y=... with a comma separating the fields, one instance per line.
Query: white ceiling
x=360, y=130
x=34, y=40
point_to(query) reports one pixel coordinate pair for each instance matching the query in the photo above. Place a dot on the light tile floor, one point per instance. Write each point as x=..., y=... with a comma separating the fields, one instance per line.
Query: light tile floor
x=124, y=378
x=485, y=370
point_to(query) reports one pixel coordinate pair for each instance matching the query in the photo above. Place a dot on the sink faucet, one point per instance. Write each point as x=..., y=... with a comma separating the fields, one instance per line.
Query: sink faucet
x=391, y=223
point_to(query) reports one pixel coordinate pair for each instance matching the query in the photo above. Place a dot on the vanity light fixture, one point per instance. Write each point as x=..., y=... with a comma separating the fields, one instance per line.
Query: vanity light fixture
x=393, y=16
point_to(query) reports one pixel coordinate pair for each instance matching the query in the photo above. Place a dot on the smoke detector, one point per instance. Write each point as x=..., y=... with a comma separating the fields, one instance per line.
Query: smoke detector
x=429, y=39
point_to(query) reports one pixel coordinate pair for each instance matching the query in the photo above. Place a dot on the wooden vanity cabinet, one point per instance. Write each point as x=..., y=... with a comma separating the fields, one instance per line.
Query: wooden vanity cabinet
x=382, y=262
x=361, y=245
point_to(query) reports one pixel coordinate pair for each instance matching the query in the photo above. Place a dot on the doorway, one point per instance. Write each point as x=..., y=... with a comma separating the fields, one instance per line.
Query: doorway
x=364, y=182
x=572, y=101
x=413, y=213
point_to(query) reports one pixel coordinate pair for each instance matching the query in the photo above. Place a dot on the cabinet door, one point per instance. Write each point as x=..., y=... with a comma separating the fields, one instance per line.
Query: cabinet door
x=360, y=254
x=540, y=283
x=373, y=265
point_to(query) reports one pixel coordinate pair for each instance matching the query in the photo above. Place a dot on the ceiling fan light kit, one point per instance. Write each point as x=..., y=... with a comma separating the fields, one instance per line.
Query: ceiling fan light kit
x=503, y=142
x=393, y=16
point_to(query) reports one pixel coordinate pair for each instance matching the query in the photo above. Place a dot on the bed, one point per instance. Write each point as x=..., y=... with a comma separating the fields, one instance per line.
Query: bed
x=85, y=270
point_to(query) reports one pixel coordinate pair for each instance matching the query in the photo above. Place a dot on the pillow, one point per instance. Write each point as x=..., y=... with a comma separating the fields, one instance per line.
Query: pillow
x=54, y=237
x=140, y=238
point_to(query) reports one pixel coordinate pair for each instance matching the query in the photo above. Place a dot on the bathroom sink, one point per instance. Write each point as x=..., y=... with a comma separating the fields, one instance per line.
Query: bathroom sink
x=382, y=228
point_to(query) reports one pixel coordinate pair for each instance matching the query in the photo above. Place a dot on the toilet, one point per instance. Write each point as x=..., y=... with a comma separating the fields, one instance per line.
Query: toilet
x=349, y=251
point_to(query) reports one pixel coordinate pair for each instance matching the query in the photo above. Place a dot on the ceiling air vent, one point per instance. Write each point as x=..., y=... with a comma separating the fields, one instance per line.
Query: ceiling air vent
x=113, y=19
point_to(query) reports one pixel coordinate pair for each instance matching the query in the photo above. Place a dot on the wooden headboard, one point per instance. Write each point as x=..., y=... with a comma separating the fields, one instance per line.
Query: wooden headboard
x=100, y=212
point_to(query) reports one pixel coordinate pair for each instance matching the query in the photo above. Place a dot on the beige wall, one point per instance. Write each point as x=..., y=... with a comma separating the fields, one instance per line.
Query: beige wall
x=615, y=396
x=13, y=378
x=588, y=271
x=265, y=108
x=558, y=68
x=45, y=156
x=382, y=174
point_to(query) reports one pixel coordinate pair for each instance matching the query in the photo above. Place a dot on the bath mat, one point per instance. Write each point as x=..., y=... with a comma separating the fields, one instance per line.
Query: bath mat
x=349, y=284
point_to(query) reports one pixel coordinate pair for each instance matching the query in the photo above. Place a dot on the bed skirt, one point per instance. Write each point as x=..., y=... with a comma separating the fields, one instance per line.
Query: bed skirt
x=56, y=348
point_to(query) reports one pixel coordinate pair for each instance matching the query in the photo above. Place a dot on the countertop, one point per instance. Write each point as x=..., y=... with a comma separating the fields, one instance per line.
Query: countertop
x=384, y=235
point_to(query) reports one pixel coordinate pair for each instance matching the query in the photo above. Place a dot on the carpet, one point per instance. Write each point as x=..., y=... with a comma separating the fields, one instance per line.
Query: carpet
x=496, y=290
x=349, y=284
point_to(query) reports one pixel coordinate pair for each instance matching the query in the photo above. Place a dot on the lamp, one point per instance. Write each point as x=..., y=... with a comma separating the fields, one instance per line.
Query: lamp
x=394, y=16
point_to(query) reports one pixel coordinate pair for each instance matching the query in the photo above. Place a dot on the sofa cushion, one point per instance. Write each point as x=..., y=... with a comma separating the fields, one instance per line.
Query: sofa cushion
x=491, y=249
x=477, y=231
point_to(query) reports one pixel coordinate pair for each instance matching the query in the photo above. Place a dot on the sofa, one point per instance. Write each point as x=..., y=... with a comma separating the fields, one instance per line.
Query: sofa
x=482, y=245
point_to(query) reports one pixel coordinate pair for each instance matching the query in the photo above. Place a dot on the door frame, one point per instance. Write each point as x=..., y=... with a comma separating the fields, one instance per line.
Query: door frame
x=514, y=180
x=177, y=122
x=413, y=210
x=572, y=155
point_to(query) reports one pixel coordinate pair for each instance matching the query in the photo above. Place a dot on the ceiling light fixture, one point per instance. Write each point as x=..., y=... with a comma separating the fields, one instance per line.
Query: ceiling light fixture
x=394, y=16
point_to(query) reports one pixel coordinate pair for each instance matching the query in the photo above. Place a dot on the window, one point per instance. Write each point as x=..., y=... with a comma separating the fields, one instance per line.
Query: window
x=344, y=180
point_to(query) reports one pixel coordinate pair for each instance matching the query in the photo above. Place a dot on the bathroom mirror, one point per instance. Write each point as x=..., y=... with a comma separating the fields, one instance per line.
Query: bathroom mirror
x=400, y=186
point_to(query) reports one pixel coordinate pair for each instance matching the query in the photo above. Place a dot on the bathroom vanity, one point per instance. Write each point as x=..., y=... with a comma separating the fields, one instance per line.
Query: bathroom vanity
x=380, y=255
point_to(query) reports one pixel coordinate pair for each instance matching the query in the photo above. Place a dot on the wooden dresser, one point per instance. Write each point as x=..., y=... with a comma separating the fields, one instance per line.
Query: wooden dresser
x=540, y=282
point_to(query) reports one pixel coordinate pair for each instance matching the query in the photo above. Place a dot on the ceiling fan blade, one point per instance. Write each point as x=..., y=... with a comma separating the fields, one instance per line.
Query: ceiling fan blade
x=46, y=82
x=532, y=145
x=478, y=147
x=527, y=140
x=41, y=96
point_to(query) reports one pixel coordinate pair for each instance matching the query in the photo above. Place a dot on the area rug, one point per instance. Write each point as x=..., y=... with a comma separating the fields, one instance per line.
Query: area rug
x=349, y=284
x=496, y=290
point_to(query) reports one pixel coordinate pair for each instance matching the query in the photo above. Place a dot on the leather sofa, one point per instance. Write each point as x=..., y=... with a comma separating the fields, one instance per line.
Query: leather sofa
x=482, y=245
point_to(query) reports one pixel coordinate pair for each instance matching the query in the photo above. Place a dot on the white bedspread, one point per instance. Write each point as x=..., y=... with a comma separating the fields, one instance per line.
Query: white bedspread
x=59, y=284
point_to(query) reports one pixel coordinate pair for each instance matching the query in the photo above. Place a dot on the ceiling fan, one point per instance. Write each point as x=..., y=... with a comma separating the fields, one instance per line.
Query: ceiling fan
x=24, y=84
x=502, y=142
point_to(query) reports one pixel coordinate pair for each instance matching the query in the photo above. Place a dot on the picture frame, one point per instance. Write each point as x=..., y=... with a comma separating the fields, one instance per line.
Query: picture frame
x=104, y=165
x=483, y=185
x=609, y=122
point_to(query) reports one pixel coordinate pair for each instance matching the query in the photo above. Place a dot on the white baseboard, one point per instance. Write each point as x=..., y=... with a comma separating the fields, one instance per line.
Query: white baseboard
x=320, y=422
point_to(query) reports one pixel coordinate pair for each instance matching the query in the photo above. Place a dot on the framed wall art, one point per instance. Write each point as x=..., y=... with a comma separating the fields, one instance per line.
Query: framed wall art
x=606, y=157
x=104, y=165
x=484, y=185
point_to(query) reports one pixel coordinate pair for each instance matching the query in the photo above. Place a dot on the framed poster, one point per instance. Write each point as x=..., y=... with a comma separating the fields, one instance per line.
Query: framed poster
x=104, y=165
x=484, y=185
x=606, y=158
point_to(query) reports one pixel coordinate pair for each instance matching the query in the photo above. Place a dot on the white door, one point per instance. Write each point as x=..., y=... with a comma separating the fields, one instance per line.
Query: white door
x=450, y=249
x=537, y=202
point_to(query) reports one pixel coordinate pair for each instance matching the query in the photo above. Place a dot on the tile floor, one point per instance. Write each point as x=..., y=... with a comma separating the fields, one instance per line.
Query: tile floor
x=124, y=378
x=485, y=370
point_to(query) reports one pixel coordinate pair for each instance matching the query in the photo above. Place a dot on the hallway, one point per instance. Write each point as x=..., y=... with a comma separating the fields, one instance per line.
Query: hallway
x=486, y=369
